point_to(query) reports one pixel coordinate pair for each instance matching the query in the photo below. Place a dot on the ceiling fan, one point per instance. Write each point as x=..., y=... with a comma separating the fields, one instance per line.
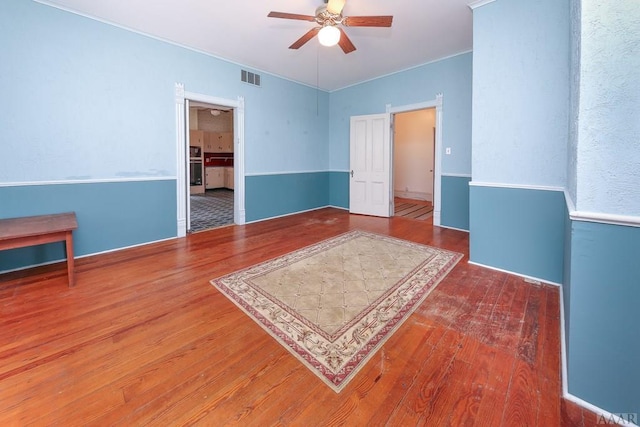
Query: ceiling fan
x=329, y=17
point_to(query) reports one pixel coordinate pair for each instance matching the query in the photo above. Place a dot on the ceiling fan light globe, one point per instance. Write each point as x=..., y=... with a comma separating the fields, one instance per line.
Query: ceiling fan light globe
x=329, y=36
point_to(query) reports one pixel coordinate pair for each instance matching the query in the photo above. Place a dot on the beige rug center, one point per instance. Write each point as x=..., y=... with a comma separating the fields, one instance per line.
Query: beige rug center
x=333, y=304
x=332, y=287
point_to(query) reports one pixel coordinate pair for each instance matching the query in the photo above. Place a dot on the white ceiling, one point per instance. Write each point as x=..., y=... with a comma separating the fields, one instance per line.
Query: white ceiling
x=240, y=31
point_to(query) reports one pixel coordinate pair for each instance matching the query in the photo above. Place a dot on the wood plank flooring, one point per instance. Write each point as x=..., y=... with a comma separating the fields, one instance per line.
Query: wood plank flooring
x=415, y=209
x=144, y=339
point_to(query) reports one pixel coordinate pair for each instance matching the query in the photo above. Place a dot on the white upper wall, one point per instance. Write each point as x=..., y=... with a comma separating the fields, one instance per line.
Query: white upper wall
x=521, y=92
x=608, y=150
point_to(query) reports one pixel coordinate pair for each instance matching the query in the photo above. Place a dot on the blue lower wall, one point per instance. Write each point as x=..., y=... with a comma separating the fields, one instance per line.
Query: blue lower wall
x=604, y=315
x=269, y=196
x=110, y=215
x=454, y=199
x=566, y=277
x=339, y=189
x=518, y=230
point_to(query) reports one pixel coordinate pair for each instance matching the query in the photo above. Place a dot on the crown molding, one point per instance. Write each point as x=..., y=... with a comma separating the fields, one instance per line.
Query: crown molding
x=478, y=3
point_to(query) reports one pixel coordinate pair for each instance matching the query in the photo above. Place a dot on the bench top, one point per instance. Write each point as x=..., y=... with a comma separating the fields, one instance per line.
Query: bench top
x=12, y=228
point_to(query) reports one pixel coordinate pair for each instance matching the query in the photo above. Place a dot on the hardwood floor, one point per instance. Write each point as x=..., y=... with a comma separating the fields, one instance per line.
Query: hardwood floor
x=411, y=208
x=144, y=338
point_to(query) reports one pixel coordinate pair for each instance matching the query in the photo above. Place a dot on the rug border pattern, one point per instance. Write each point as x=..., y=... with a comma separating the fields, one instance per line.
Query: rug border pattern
x=337, y=379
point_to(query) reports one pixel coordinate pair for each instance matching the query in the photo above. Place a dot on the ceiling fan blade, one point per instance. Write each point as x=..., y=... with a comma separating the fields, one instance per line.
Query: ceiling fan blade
x=345, y=42
x=284, y=15
x=367, y=21
x=302, y=40
x=335, y=6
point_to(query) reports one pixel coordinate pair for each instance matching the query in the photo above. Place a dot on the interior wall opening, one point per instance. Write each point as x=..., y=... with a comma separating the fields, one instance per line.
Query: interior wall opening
x=211, y=155
x=414, y=141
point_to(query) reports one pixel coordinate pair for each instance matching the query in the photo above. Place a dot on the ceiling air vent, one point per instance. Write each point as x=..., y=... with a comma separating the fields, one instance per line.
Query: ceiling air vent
x=249, y=77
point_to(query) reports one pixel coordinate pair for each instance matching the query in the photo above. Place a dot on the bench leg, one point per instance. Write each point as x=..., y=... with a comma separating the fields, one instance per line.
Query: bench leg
x=70, y=260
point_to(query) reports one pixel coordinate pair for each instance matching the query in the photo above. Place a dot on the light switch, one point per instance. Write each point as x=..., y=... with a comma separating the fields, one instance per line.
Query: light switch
x=447, y=150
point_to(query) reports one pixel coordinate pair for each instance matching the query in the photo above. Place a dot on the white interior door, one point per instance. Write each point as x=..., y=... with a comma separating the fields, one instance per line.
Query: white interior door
x=370, y=161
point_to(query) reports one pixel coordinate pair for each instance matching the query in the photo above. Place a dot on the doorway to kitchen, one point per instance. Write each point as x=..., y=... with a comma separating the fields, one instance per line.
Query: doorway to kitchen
x=211, y=165
x=183, y=179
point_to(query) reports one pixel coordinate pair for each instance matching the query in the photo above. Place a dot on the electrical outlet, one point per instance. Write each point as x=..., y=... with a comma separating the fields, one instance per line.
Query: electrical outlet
x=447, y=150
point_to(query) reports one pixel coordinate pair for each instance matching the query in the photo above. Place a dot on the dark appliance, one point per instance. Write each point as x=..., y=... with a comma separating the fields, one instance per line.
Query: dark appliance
x=195, y=172
x=195, y=151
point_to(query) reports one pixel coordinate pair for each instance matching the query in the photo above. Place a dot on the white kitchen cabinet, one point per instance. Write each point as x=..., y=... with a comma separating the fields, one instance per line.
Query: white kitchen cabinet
x=211, y=142
x=227, y=142
x=217, y=142
x=223, y=142
x=214, y=177
x=208, y=143
x=196, y=138
x=228, y=178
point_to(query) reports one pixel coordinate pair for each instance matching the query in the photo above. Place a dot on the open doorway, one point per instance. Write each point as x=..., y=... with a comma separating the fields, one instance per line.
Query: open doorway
x=182, y=100
x=211, y=166
x=414, y=140
x=437, y=163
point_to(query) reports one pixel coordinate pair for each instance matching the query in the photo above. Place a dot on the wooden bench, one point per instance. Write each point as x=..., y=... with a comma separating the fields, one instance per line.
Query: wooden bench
x=37, y=230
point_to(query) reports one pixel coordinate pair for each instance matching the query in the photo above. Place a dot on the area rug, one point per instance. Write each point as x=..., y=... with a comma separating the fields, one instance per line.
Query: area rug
x=334, y=304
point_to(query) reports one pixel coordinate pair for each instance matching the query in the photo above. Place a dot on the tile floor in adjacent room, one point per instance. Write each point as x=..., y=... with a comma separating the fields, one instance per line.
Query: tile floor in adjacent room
x=213, y=208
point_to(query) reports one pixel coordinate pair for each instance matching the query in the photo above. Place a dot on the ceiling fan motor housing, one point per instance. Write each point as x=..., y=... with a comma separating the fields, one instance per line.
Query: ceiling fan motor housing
x=324, y=17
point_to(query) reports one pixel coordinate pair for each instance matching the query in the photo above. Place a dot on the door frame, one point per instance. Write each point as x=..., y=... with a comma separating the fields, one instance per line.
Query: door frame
x=182, y=157
x=437, y=161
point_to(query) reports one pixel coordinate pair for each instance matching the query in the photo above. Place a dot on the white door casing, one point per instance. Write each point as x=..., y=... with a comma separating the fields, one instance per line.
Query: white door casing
x=370, y=161
x=182, y=187
x=437, y=169
x=187, y=166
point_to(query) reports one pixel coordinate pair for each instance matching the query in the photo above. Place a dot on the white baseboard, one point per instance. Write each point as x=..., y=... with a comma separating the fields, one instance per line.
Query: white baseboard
x=524, y=276
x=292, y=213
x=453, y=228
x=240, y=216
x=608, y=416
x=182, y=227
x=415, y=195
